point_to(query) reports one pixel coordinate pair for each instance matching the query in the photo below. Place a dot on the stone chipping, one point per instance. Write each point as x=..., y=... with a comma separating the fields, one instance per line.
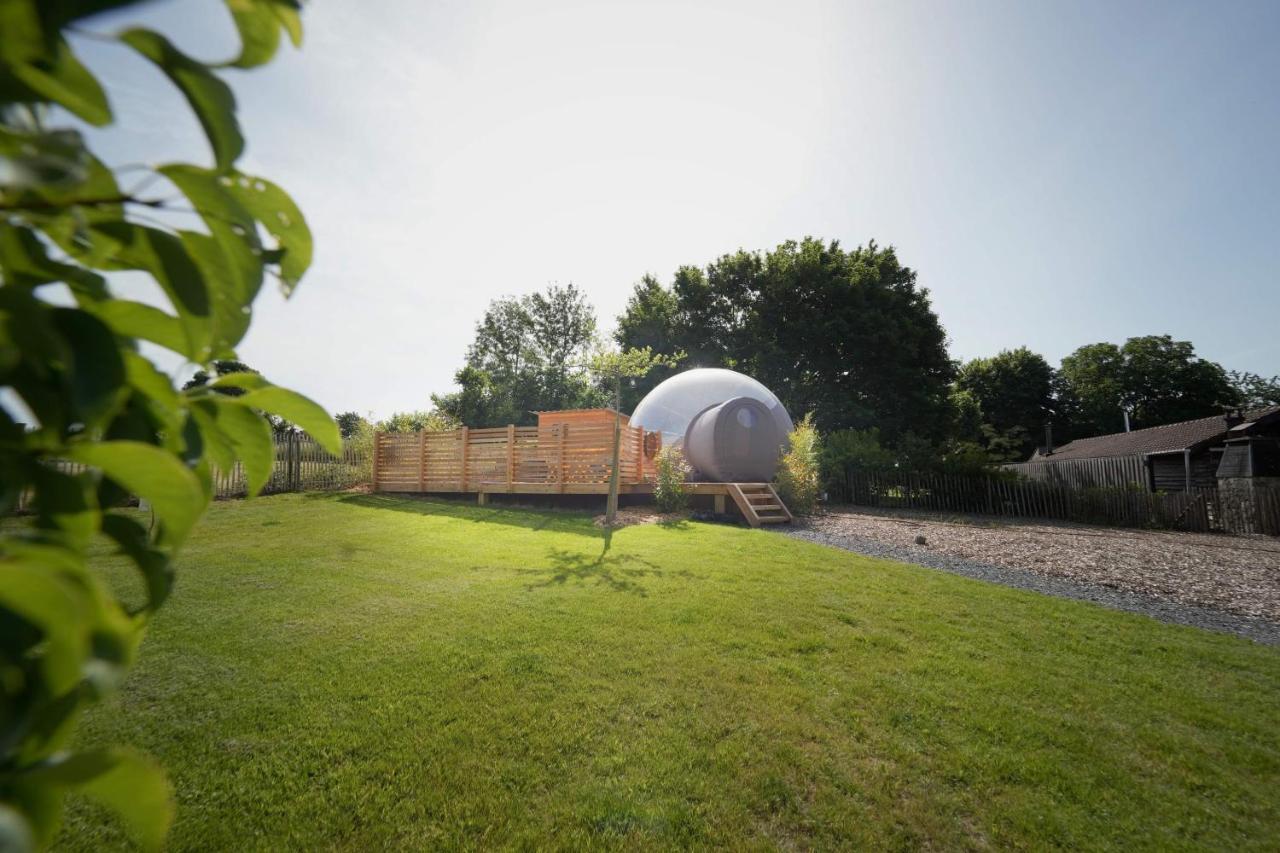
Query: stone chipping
x=1222, y=583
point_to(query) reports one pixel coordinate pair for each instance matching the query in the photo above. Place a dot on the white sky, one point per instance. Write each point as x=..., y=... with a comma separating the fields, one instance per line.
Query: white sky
x=1056, y=177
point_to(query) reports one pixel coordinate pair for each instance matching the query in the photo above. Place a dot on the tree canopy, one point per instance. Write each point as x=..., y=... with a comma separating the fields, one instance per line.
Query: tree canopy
x=1254, y=391
x=1013, y=391
x=846, y=334
x=1157, y=379
x=527, y=356
x=418, y=421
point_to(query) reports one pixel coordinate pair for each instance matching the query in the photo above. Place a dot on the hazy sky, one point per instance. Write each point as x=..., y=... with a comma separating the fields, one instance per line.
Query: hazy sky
x=1058, y=174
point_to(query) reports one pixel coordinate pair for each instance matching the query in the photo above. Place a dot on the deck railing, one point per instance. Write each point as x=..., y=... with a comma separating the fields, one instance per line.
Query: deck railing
x=561, y=458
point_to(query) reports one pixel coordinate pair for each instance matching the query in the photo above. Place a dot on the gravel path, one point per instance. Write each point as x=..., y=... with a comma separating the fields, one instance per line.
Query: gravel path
x=1180, y=578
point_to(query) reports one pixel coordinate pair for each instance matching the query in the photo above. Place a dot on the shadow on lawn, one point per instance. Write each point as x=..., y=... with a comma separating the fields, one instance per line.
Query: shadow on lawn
x=555, y=520
x=619, y=572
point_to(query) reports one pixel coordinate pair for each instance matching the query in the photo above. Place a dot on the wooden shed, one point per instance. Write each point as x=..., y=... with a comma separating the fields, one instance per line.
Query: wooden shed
x=581, y=418
x=1169, y=458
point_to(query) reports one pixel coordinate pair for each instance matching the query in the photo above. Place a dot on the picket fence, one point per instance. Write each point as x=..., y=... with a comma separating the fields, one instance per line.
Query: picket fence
x=1087, y=473
x=301, y=465
x=1197, y=510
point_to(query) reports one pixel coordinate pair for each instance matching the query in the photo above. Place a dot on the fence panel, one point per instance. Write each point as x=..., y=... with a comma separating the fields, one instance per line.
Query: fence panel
x=300, y=465
x=512, y=458
x=1056, y=498
x=1121, y=471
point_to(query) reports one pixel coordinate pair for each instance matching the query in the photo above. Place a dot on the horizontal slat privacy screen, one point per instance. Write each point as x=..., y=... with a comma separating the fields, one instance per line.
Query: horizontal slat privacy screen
x=496, y=459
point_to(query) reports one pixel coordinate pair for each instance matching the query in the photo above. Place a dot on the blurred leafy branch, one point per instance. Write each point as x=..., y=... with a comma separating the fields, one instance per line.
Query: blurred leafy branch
x=72, y=366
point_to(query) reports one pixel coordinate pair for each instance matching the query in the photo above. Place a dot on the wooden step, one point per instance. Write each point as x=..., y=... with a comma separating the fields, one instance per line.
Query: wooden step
x=759, y=503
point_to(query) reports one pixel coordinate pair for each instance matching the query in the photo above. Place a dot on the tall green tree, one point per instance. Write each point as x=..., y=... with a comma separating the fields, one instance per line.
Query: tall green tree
x=87, y=394
x=611, y=367
x=1014, y=393
x=649, y=320
x=351, y=424
x=527, y=356
x=1254, y=391
x=221, y=367
x=1156, y=379
x=1091, y=390
x=846, y=334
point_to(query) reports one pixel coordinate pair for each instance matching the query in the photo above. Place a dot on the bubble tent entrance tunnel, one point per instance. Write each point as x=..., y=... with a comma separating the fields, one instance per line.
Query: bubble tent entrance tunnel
x=730, y=427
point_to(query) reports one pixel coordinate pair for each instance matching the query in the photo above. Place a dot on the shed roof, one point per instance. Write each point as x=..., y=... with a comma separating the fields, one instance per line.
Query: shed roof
x=1160, y=439
x=595, y=411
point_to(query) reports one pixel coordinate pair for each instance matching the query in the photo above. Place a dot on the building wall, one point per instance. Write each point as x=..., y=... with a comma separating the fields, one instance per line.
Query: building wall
x=1250, y=504
x=580, y=417
x=1169, y=474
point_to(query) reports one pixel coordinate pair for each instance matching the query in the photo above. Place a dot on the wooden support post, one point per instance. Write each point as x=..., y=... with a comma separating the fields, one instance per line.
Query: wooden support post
x=564, y=432
x=511, y=455
x=719, y=499
x=422, y=460
x=373, y=470
x=640, y=476
x=482, y=498
x=462, y=486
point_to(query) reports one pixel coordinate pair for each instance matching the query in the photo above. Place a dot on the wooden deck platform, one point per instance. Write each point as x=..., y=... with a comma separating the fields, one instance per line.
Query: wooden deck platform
x=569, y=455
x=758, y=502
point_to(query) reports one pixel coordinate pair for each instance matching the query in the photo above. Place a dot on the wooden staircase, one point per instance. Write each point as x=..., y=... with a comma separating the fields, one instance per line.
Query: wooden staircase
x=759, y=503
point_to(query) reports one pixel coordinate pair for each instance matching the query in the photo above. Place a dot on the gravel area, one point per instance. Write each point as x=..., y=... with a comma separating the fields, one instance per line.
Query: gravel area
x=1221, y=583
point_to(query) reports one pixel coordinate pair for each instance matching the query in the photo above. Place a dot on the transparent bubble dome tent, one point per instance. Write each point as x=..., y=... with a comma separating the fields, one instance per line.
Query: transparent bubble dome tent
x=731, y=427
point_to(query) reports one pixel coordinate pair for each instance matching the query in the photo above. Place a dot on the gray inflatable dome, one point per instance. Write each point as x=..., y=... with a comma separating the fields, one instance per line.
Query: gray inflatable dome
x=732, y=428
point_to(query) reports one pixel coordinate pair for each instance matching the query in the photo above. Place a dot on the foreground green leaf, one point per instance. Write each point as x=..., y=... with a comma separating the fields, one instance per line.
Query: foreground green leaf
x=249, y=435
x=210, y=98
x=259, y=23
x=290, y=405
x=62, y=79
x=151, y=473
x=273, y=207
x=126, y=782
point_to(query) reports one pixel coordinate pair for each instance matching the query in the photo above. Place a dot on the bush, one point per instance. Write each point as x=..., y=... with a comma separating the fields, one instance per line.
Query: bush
x=799, y=477
x=853, y=448
x=673, y=470
x=429, y=421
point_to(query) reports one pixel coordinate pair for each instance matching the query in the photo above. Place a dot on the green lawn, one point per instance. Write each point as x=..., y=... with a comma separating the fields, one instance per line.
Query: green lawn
x=359, y=672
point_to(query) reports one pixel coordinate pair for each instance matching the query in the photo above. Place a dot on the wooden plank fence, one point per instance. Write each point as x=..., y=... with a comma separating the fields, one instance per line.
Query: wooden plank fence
x=1124, y=471
x=1199, y=510
x=301, y=465
x=560, y=458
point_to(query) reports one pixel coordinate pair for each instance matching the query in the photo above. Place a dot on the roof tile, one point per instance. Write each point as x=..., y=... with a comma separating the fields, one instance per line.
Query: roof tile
x=1177, y=436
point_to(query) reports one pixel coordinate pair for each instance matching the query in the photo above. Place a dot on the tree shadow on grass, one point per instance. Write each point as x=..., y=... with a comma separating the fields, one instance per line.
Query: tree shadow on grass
x=618, y=572
x=555, y=520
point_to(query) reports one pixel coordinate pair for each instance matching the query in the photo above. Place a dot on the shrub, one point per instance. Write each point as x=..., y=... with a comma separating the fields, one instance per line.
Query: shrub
x=799, y=476
x=853, y=448
x=430, y=421
x=673, y=470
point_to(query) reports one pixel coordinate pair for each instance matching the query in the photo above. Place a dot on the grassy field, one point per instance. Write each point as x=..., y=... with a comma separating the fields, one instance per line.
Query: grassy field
x=358, y=672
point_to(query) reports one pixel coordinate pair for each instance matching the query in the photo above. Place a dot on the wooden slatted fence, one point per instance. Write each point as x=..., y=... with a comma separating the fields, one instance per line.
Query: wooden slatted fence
x=300, y=465
x=1198, y=510
x=1122, y=471
x=557, y=458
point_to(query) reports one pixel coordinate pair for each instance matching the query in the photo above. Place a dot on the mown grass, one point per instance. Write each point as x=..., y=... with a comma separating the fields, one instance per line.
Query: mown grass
x=361, y=672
